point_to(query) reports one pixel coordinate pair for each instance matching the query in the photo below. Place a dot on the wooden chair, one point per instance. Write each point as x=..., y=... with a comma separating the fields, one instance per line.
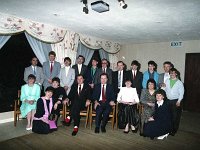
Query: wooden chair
x=111, y=115
x=17, y=108
x=83, y=113
x=139, y=108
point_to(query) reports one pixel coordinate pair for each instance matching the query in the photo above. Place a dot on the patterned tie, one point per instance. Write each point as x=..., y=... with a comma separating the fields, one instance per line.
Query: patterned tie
x=51, y=67
x=119, y=79
x=34, y=71
x=103, y=95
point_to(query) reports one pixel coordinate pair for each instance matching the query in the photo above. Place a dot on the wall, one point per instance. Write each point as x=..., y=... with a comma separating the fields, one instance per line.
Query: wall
x=159, y=52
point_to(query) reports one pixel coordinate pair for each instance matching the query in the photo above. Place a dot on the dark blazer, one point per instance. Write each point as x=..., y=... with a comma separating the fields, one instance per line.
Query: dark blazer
x=115, y=81
x=99, y=72
x=109, y=93
x=90, y=77
x=75, y=98
x=137, y=82
x=83, y=69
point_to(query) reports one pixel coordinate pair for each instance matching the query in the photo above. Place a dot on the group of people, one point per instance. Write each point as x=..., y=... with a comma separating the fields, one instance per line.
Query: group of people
x=79, y=86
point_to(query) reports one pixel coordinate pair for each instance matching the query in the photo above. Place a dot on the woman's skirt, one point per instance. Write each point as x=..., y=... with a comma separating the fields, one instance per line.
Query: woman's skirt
x=40, y=127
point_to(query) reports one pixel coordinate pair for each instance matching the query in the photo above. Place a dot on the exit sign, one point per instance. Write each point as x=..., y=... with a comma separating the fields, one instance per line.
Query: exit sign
x=176, y=44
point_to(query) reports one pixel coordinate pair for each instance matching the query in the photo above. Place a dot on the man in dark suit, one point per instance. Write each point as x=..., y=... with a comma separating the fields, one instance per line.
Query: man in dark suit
x=51, y=69
x=80, y=68
x=103, y=97
x=118, y=78
x=79, y=97
x=136, y=76
x=103, y=69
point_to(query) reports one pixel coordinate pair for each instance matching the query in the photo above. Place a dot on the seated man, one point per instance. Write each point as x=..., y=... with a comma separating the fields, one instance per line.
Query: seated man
x=103, y=96
x=79, y=96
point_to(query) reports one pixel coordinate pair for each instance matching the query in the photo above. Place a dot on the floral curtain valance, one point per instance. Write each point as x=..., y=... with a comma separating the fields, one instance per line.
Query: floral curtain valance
x=50, y=34
x=96, y=43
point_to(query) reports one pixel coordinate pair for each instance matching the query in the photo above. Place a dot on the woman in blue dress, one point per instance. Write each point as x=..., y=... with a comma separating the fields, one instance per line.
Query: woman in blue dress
x=30, y=93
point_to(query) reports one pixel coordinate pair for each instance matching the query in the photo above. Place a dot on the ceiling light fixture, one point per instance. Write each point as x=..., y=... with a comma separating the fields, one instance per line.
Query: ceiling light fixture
x=122, y=4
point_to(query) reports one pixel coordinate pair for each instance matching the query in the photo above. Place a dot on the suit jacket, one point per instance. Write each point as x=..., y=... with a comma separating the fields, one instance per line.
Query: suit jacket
x=39, y=74
x=115, y=81
x=67, y=80
x=90, y=77
x=79, y=100
x=99, y=72
x=137, y=82
x=48, y=74
x=109, y=93
x=161, y=79
x=83, y=69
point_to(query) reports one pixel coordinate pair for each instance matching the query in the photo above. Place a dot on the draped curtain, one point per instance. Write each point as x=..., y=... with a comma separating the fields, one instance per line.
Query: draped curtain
x=86, y=52
x=3, y=40
x=40, y=49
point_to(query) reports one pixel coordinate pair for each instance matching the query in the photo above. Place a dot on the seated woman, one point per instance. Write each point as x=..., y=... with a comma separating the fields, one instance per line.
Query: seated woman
x=159, y=125
x=128, y=99
x=59, y=97
x=30, y=93
x=43, y=111
x=147, y=99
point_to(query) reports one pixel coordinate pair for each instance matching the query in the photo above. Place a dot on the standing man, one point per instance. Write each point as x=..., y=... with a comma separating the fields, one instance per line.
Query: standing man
x=135, y=76
x=67, y=75
x=151, y=73
x=51, y=69
x=79, y=97
x=80, y=68
x=118, y=78
x=174, y=90
x=164, y=76
x=103, y=97
x=35, y=70
x=103, y=69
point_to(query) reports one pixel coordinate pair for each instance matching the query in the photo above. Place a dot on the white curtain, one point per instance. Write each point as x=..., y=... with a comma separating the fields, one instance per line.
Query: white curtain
x=113, y=58
x=86, y=52
x=3, y=40
x=103, y=54
x=40, y=49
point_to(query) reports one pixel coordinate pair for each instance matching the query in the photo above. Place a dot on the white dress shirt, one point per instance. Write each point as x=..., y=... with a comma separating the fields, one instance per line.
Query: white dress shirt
x=121, y=78
x=67, y=70
x=81, y=87
x=128, y=95
x=100, y=99
x=160, y=103
x=166, y=76
x=79, y=68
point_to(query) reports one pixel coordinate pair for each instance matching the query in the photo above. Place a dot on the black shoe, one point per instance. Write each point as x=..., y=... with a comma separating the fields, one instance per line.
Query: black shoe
x=126, y=132
x=103, y=129
x=172, y=133
x=96, y=130
x=151, y=138
x=134, y=131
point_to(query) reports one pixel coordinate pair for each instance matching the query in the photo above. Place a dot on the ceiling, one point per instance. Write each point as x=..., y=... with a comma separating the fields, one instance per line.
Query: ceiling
x=143, y=21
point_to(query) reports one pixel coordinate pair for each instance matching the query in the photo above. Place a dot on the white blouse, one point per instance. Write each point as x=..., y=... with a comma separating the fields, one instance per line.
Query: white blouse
x=128, y=95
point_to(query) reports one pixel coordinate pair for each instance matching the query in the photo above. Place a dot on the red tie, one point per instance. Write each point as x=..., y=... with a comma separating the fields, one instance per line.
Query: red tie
x=103, y=95
x=134, y=75
x=51, y=67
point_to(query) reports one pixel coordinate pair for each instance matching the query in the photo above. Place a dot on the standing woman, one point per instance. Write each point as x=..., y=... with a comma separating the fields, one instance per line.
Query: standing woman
x=147, y=99
x=30, y=93
x=43, y=111
x=128, y=99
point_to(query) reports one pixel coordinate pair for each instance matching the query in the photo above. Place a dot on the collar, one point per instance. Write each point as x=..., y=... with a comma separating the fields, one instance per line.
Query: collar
x=160, y=103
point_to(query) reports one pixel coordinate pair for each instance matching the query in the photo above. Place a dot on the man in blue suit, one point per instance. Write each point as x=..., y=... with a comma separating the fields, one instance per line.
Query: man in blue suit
x=51, y=69
x=103, y=96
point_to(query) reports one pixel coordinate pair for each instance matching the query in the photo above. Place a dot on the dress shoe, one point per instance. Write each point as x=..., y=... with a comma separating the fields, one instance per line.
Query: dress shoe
x=162, y=136
x=172, y=133
x=135, y=131
x=126, y=132
x=96, y=130
x=103, y=129
x=28, y=129
x=75, y=131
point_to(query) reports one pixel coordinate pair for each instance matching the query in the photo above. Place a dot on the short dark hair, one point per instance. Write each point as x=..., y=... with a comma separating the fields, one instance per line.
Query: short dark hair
x=104, y=74
x=68, y=59
x=151, y=81
x=162, y=92
x=49, y=89
x=56, y=79
x=82, y=57
x=52, y=53
x=31, y=76
x=168, y=63
x=95, y=59
x=135, y=62
x=79, y=75
x=120, y=62
x=151, y=62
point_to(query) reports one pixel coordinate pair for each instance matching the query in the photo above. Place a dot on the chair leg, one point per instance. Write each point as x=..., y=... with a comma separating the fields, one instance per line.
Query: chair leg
x=15, y=119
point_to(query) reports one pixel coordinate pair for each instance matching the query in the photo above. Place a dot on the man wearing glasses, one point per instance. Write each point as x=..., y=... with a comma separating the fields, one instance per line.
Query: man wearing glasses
x=35, y=70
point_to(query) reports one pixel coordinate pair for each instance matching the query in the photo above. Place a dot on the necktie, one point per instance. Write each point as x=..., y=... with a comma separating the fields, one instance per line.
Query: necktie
x=51, y=67
x=79, y=90
x=104, y=70
x=119, y=79
x=103, y=94
x=134, y=75
x=34, y=71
